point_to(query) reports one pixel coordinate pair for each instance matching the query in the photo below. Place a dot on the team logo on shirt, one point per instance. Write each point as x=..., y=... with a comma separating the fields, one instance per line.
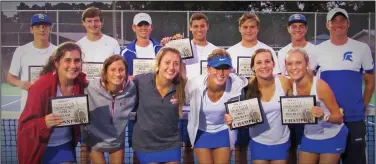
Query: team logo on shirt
x=174, y=99
x=348, y=56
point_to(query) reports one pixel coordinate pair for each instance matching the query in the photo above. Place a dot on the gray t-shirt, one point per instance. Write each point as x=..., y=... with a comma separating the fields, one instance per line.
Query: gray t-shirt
x=156, y=127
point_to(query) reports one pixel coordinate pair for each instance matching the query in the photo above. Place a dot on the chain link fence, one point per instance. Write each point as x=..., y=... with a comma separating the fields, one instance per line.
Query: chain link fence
x=223, y=29
x=223, y=32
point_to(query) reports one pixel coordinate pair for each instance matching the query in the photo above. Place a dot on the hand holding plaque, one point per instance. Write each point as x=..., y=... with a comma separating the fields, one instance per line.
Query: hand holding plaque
x=92, y=70
x=142, y=65
x=73, y=110
x=183, y=46
x=244, y=66
x=297, y=109
x=245, y=113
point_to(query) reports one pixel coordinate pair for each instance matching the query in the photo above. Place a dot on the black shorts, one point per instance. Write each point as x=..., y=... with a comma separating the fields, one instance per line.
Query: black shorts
x=355, y=152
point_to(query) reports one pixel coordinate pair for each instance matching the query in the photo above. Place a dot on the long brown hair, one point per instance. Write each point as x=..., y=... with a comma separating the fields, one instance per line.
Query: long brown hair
x=107, y=63
x=179, y=80
x=253, y=87
x=57, y=55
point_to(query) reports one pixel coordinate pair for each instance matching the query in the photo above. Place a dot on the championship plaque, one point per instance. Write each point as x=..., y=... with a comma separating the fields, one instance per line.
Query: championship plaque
x=74, y=110
x=34, y=72
x=142, y=65
x=92, y=70
x=244, y=66
x=183, y=45
x=203, y=67
x=245, y=113
x=297, y=109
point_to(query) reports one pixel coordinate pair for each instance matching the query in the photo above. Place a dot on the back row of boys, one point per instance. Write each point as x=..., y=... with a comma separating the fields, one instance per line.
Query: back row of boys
x=345, y=63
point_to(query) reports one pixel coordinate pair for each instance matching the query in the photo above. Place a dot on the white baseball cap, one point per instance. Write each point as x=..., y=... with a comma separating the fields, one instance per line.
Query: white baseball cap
x=334, y=11
x=141, y=17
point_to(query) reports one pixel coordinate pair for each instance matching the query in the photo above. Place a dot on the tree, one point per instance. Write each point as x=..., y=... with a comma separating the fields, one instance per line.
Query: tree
x=289, y=6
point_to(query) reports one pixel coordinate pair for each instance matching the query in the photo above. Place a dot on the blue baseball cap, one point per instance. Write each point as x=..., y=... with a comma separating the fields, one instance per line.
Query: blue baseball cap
x=40, y=19
x=218, y=61
x=297, y=18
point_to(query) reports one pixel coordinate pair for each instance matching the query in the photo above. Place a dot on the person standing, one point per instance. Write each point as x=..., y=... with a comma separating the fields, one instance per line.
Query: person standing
x=111, y=100
x=96, y=46
x=343, y=63
x=159, y=107
x=39, y=140
x=325, y=141
x=207, y=95
x=249, y=26
x=142, y=47
x=35, y=53
x=271, y=134
x=297, y=28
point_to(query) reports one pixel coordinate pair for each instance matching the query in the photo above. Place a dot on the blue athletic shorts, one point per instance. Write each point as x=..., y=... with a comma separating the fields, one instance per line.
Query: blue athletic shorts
x=212, y=140
x=334, y=145
x=59, y=154
x=269, y=152
x=171, y=155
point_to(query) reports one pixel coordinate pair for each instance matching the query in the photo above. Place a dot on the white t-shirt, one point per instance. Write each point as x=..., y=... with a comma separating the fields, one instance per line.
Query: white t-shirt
x=239, y=50
x=200, y=53
x=98, y=51
x=342, y=68
x=145, y=52
x=25, y=56
x=309, y=48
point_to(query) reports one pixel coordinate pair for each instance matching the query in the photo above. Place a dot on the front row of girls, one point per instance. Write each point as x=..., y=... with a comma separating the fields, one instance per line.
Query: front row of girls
x=269, y=142
x=158, y=98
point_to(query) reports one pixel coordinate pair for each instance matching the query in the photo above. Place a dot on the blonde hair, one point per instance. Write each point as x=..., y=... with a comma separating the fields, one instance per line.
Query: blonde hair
x=298, y=50
x=249, y=16
x=218, y=52
x=179, y=80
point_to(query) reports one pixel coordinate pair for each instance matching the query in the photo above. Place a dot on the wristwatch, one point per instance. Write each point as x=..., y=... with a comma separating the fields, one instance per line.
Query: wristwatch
x=325, y=117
